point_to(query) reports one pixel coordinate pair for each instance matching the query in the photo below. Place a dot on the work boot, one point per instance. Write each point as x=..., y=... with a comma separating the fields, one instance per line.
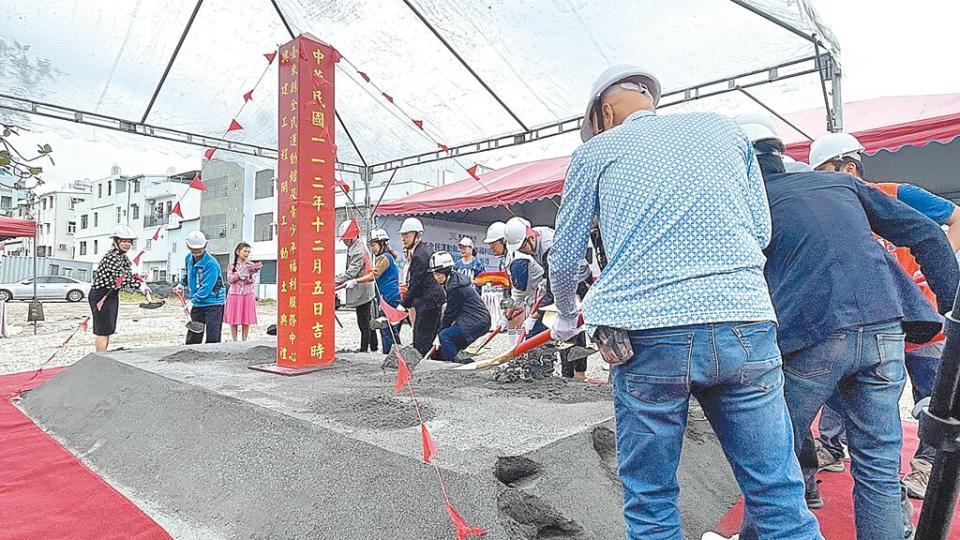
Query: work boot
x=826, y=461
x=908, y=528
x=917, y=479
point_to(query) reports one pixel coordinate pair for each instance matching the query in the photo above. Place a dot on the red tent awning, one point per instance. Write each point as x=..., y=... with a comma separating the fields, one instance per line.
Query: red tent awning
x=520, y=183
x=14, y=228
x=886, y=123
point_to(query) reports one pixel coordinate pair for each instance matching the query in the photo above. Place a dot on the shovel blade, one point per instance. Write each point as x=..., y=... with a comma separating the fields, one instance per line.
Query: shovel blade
x=195, y=327
x=152, y=305
x=411, y=356
x=578, y=353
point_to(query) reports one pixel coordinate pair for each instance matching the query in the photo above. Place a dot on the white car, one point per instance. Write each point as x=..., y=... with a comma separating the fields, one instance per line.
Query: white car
x=48, y=288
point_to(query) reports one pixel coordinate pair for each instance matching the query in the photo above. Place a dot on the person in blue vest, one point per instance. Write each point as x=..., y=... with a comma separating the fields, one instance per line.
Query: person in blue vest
x=465, y=318
x=387, y=276
x=204, y=284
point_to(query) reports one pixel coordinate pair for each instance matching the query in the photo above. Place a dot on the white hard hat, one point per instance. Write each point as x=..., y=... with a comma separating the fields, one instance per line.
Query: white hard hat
x=196, y=240
x=834, y=146
x=411, y=225
x=515, y=233
x=123, y=232
x=378, y=235
x=495, y=232
x=465, y=241
x=440, y=260
x=607, y=79
x=757, y=127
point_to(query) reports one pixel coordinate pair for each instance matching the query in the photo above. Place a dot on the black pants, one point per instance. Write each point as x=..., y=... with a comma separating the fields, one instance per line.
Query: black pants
x=425, y=329
x=212, y=319
x=368, y=337
x=569, y=368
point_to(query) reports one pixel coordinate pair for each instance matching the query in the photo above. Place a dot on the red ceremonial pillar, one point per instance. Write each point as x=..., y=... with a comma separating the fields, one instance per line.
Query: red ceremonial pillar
x=306, y=208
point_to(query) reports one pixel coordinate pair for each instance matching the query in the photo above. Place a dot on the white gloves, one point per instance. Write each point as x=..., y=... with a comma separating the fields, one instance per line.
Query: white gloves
x=179, y=288
x=144, y=289
x=565, y=328
x=528, y=325
x=350, y=283
x=436, y=343
x=401, y=308
x=504, y=323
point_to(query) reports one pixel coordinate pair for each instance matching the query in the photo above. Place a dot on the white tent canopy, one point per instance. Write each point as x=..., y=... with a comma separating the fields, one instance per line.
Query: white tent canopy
x=473, y=71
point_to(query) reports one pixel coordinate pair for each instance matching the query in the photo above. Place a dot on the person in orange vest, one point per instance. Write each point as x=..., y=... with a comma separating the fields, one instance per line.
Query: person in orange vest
x=841, y=152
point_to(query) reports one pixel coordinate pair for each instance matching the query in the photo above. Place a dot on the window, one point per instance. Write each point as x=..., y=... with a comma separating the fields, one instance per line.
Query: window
x=83, y=221
x=263, y=227
x=96, y=221
x=135, y=210
x=99, y=191
x=136, y=186
x=95, y=242
x=82, y=274
x=6, y=202
x=71, y=227
x=109, y=189
x=169, y=207
x=163, y=275
x=55, y=270
x=268, y=274
x=119, y=214
x=43, y=203
x=173, y=247
x=121, y=186
x=83, y=248
x=263, y=186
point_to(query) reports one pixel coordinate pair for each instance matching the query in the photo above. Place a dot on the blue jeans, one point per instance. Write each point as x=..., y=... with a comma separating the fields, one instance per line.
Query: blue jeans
x=451, y=343
x=733, y=369
x=863, y=369
x=922, y=366
x=386, y=337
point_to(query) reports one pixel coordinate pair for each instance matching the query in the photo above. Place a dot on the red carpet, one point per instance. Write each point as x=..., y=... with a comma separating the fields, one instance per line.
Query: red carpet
x=45, y=492
x=836, y=517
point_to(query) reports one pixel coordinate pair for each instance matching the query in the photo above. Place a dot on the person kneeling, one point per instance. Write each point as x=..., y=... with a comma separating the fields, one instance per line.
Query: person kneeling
x=465, y=318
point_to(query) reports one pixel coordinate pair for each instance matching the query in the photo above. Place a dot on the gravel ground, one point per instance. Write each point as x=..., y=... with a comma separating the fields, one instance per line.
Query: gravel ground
x=139, y=328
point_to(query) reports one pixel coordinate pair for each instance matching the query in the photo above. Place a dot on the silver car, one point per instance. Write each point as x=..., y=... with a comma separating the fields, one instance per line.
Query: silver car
x=48, y=288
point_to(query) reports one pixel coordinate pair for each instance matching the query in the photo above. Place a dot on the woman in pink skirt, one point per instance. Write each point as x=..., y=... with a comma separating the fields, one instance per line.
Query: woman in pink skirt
x=241, y=308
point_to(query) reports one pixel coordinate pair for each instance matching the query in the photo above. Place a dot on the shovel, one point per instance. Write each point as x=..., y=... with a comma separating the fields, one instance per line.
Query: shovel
x=530, y=344
x=196, y=327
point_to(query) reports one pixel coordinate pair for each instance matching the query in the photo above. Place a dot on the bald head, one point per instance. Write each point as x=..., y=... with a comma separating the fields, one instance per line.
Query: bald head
x=617, y=103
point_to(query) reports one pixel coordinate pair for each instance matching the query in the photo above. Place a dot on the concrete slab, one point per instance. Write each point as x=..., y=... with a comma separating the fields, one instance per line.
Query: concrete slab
x=212, y=449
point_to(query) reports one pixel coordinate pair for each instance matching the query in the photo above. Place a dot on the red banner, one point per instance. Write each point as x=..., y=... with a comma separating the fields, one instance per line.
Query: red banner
x=307, y=220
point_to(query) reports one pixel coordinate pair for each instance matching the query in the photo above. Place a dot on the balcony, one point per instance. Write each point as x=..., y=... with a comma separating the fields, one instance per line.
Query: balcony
x=155, y=221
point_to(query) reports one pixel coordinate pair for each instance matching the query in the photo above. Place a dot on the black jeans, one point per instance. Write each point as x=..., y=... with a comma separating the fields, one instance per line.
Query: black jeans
x=368, y=337
x=425, y=329
x=212, y=319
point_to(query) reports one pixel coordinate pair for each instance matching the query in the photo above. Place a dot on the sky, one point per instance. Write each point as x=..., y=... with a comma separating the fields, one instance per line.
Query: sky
x=887, y=48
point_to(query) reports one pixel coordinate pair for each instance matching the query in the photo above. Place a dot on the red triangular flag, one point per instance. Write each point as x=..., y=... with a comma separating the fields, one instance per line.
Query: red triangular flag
x=364, y=75
x=248, y=96
x=342, y=185
x=352, y=232
x=156, y=235
x=443, y=147
x=418, y=123
x=403, y=373
x=197, y=183
x=473, y=172
x=429, y=449
x=234, y=126
x=175, y=210
x=463, y=530
x=208, y=153
x=393, y=314
x=84, y=323
x=387, y=96
x=136, y=260
x=270, y=56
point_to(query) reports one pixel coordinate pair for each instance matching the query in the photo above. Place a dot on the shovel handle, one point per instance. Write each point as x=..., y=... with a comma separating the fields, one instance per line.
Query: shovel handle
x=536, y=341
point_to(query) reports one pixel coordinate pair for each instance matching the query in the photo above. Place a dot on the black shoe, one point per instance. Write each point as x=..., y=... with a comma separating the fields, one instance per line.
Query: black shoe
x=272, y=330
x=813, y=499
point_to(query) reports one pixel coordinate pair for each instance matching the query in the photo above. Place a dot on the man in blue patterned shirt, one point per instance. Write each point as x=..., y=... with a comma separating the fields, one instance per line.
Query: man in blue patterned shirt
x=684, y=219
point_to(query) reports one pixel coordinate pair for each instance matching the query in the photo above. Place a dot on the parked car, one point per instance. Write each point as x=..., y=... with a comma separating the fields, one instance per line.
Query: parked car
x=48, y=288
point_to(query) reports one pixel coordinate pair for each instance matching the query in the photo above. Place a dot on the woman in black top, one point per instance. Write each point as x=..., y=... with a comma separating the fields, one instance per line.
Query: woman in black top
x=114, y=272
